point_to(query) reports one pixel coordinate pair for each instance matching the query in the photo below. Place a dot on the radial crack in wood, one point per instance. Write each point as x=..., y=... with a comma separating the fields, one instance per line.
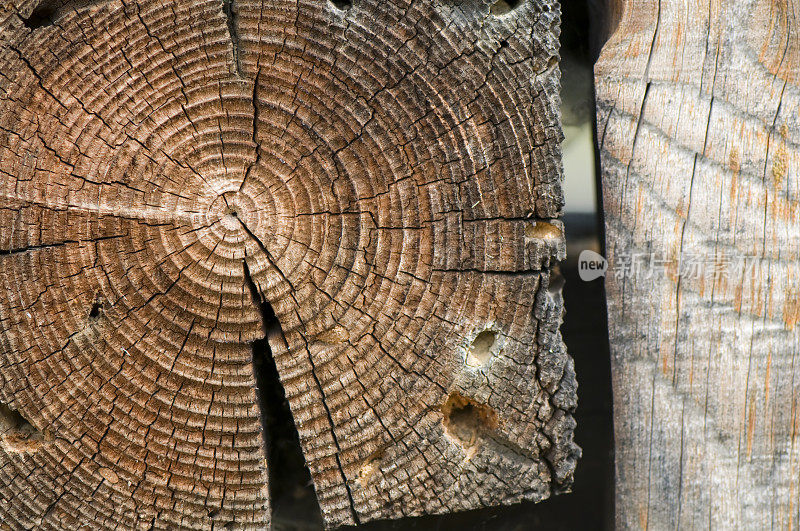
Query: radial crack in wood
x=358, y=191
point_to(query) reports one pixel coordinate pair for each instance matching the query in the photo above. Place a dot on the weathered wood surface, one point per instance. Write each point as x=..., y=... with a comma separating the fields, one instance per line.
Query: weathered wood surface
x=383, y=176
x=698, y=125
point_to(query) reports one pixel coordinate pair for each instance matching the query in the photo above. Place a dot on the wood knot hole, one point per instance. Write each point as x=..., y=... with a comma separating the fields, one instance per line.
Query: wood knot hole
x=557, y=281
x=542, y=230
x=43, y=15
x=94, y=312
x=465, y=420
x=18, y=436
x=368, y=468
x=482, y=349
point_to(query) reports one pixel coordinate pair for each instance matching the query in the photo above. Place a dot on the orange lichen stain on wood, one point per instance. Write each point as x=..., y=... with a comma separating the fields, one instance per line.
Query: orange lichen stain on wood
x=702, y=278
x=721, y=283
x=668, y=326
x=665, y=361
x=751, y=426
x=737, y=298
x=791, y=309
x=682, y=208
x=639, y=203
x=770, y=304
x=735, y=165
x=465, y=420
x=761, y=300
x=722, y=268
x=643, y=516
x=734, y=161
x=766, y=381
x=775, y=35
x=791, y=492
x=779, y=167
x=542, y=230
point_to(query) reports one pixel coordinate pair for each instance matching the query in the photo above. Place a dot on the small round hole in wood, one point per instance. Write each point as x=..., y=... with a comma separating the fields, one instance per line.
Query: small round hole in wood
x=43, y=15
x=482, y=349
x=465, y=420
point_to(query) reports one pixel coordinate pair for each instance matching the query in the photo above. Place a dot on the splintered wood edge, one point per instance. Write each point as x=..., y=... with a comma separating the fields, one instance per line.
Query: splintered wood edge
x=375, y=186
x=698, y=112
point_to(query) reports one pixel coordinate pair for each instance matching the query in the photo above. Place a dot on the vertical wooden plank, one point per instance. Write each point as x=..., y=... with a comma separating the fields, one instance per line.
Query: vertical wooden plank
x=698, y=109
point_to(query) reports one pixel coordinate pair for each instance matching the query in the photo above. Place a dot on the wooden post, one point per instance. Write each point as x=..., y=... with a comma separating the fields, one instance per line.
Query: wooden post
x=698, y=124
x=373, y=186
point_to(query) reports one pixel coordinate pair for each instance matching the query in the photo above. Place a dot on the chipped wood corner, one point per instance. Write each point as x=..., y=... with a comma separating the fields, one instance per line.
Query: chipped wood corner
x=354, y=202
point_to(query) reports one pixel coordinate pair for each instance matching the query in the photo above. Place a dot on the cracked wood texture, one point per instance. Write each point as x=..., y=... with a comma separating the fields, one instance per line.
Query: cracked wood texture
x=384, y=177
x=699, y=122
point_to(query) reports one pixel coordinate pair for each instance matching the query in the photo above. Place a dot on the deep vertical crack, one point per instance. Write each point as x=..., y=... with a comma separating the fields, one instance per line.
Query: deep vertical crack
x=257, y=144
x=290, y=487
x=348, y=490
x=229, y=8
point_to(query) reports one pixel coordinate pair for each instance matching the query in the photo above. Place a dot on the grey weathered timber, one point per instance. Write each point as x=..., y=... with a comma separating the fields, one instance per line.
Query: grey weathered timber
x=698, y=107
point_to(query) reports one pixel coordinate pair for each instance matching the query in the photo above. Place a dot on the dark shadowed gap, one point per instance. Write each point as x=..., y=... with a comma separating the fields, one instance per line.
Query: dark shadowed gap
x=95, y=311
x=43, y=15
x=291, y=491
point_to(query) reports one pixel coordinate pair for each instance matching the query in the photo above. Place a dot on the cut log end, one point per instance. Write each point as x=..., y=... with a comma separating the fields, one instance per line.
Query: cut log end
x=371, y=187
